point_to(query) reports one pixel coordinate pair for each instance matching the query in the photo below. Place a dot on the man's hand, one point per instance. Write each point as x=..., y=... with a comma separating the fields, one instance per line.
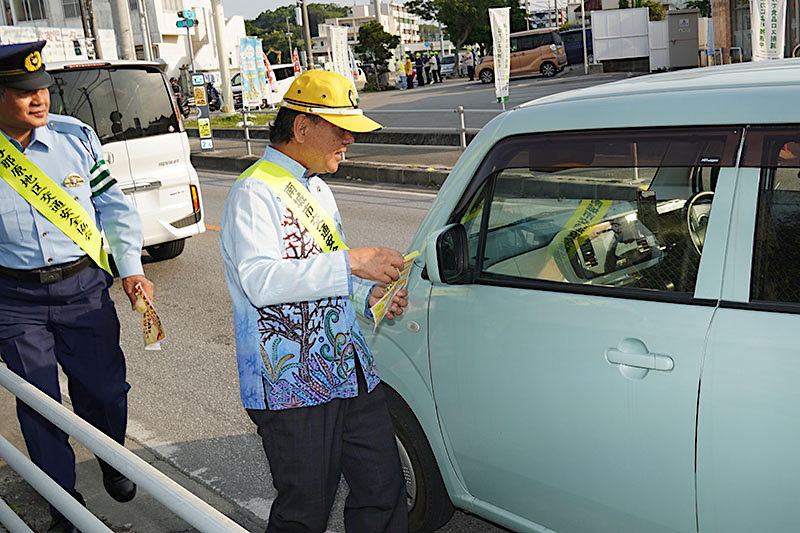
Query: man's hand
x=376, y=264
x=129, y=285
x=398, y=302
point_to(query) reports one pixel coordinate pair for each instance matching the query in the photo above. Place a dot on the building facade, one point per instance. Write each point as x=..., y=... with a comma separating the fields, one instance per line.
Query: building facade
x=732, y=27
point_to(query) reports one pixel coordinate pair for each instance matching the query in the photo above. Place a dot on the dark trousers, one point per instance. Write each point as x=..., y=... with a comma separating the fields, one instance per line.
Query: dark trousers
x=420, y=77
x=436, y=76
x=71, y=323
x=471, y=72
x=309, y=448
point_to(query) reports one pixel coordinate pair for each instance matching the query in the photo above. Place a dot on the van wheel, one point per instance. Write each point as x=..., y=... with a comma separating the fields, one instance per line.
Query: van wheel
x=548, y=69
x=429, y=506
x=486, y=76
x=166, y=250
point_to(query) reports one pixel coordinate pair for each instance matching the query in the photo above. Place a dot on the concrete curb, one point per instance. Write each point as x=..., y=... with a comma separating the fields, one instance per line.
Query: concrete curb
x=365, y=171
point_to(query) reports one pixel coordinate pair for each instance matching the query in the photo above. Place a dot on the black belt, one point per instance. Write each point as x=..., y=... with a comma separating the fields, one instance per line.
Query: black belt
x=49, y=274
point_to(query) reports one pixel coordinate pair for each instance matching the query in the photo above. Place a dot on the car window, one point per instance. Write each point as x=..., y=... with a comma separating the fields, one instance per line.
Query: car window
x=542, y=39
x=119, y=103
x=601, y=208
x=237, y=79
x=283, y=72
x=776, y=151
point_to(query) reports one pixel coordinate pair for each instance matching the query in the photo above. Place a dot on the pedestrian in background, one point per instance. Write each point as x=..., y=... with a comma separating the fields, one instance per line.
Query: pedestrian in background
x=436, y=67
x=469, y=62
x=426, y=62
x=55, y=309
x=400, y=73
x=409, y=67
x=307, y=378
x=418, y=66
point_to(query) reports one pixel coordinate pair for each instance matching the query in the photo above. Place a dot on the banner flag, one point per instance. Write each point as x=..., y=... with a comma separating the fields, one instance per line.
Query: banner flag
x=767, y=27
x=499, y=18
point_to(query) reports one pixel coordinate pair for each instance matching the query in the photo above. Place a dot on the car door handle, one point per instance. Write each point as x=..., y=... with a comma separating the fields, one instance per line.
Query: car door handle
x=646, y=359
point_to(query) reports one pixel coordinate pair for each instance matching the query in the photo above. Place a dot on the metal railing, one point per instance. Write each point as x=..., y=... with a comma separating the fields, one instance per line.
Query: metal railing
x=460, y=111
x=183, y=503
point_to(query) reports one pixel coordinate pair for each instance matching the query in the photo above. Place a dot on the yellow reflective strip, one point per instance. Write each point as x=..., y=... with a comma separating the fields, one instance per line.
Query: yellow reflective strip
x=53, y=202
x=300, y=202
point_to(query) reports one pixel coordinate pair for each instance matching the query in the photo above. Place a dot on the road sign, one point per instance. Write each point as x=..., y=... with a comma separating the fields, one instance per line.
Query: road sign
x=187, y=14
x=186, y=23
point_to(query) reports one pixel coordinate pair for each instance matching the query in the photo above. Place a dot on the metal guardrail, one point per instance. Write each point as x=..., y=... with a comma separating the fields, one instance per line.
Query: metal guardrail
x=183, y=503
x=461, y=129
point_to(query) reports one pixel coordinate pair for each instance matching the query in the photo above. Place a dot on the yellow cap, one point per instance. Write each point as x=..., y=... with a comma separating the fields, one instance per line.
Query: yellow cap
x=330, y=96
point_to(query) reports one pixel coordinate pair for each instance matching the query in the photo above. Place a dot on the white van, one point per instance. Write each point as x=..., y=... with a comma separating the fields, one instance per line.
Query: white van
x=130, y=106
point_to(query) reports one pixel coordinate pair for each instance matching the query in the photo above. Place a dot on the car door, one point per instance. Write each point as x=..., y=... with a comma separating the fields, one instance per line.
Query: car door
x=748, y=431
x=566, y=370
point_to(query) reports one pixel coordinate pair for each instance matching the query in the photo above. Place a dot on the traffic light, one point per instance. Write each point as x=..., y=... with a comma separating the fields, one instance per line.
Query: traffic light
x=77, y=45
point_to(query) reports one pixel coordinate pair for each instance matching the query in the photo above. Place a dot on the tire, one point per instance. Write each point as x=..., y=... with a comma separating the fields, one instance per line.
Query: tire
x=548, y=69
x=486, y=76
x=429, y=506
x=166, y=250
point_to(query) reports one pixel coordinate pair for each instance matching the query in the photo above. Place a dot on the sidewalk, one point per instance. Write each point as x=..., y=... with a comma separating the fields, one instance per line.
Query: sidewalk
x=143, y=514
x=386, y=163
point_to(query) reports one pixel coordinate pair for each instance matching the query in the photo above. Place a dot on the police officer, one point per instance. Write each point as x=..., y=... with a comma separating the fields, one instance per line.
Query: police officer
x=56, y=195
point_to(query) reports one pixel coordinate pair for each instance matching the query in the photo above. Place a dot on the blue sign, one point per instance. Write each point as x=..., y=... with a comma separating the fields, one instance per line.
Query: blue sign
x=185, y=23
x=197, y=79
x=187, y=14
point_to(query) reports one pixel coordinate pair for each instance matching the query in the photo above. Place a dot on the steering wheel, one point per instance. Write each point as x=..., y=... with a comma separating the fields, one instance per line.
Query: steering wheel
x=697, y=218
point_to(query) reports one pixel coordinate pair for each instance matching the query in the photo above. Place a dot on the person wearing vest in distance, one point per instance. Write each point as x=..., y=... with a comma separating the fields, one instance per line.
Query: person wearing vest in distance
x=307, y=378
x=56, y=195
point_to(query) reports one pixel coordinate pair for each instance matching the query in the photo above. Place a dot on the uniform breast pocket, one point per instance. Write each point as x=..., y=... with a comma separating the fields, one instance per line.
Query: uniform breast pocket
x=10, y=230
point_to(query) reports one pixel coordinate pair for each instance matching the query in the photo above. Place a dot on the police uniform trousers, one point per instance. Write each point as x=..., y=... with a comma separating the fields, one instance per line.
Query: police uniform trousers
x=72, y=323
x=310, y=448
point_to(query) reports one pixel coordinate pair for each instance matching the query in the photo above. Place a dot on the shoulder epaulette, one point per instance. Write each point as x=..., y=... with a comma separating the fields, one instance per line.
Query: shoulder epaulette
x=66, y=124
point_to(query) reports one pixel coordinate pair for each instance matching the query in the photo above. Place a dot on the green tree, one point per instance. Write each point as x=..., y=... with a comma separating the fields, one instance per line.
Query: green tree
x=703, y=5
x=466, y=21
x=376, y=46
x=270, y=27
x=657, y=10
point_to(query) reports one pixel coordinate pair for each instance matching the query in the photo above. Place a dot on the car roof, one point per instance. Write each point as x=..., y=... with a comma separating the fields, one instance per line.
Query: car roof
x=746, y=93
x=60, y=65
x=533, y=32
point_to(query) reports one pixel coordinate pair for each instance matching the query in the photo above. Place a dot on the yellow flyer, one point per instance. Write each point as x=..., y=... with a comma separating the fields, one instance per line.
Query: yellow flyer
x=151, y=324
x=383, y=305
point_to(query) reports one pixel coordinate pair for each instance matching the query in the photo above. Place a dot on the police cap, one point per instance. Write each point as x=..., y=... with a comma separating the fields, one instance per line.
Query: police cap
x=22, y=67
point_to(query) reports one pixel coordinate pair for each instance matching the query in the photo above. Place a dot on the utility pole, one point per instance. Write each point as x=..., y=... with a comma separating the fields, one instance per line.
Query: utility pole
x=86, y=34
x=307, y=34
x=218, y=18
x=147, y=46
x=583, y=29
x=121, y=15
x=289, y=38
x=98, y=50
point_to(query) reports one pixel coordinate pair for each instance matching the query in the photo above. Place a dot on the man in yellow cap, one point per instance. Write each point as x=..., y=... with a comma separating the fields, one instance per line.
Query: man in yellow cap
x=306, y=376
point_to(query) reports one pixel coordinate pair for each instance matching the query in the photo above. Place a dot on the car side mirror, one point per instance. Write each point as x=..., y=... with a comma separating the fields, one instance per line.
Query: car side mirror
x=446, y=255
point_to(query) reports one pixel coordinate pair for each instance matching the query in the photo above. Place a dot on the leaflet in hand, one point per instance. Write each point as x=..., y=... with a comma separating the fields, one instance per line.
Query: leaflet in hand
x=151, y=325
x=383, y=305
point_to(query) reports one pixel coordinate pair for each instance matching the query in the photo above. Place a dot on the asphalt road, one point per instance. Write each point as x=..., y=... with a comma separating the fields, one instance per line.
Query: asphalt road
x=411, y=108
x=184, y=402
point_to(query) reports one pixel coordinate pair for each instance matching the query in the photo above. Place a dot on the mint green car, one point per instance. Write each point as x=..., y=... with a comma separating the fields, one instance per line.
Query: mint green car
x=603, y=331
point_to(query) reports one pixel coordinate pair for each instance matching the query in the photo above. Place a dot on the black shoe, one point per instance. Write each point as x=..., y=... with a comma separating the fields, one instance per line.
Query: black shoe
x=117, y=486
x=60, y=524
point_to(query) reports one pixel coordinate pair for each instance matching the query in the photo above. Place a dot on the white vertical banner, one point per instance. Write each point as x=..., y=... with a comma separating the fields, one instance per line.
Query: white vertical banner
x=340, y=55
x=767, y=24
x=500, y=19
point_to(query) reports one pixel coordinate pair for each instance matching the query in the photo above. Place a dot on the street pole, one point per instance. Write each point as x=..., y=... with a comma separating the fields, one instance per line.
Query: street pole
x=84, y=20
x=527, y=14
x=147, y=48
x=307, y=34
x=289, y=38
x=122, y=27
x=441, y=40
x=218, y=19
x=583, y=29
x=189, y=43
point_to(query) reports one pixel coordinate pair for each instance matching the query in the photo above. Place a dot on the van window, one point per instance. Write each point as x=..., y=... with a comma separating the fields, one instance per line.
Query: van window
x=524, y=43
x=544, y=39
x=282, y=73
x=119, y=103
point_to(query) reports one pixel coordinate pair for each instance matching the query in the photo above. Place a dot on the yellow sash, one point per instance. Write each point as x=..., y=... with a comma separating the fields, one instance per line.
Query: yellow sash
x=53, y=202
x=300, y=202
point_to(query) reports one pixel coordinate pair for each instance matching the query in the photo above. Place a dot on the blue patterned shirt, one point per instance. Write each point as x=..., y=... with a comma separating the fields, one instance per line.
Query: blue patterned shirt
x=297, y=338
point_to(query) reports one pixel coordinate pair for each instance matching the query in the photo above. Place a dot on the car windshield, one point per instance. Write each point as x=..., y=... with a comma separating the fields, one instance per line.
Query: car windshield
x=119, y=103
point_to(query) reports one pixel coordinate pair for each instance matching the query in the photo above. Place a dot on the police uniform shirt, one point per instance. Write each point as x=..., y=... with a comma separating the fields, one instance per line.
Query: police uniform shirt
x=67, y=148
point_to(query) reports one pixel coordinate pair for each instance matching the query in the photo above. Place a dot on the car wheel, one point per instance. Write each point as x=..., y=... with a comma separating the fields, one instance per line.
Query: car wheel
x=166, y=250
x=548, y=69
x=487, y=76
x=429, y=506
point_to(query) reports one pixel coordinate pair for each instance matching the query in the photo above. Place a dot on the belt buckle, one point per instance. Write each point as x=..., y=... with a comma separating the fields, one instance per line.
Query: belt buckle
x=50, y=276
